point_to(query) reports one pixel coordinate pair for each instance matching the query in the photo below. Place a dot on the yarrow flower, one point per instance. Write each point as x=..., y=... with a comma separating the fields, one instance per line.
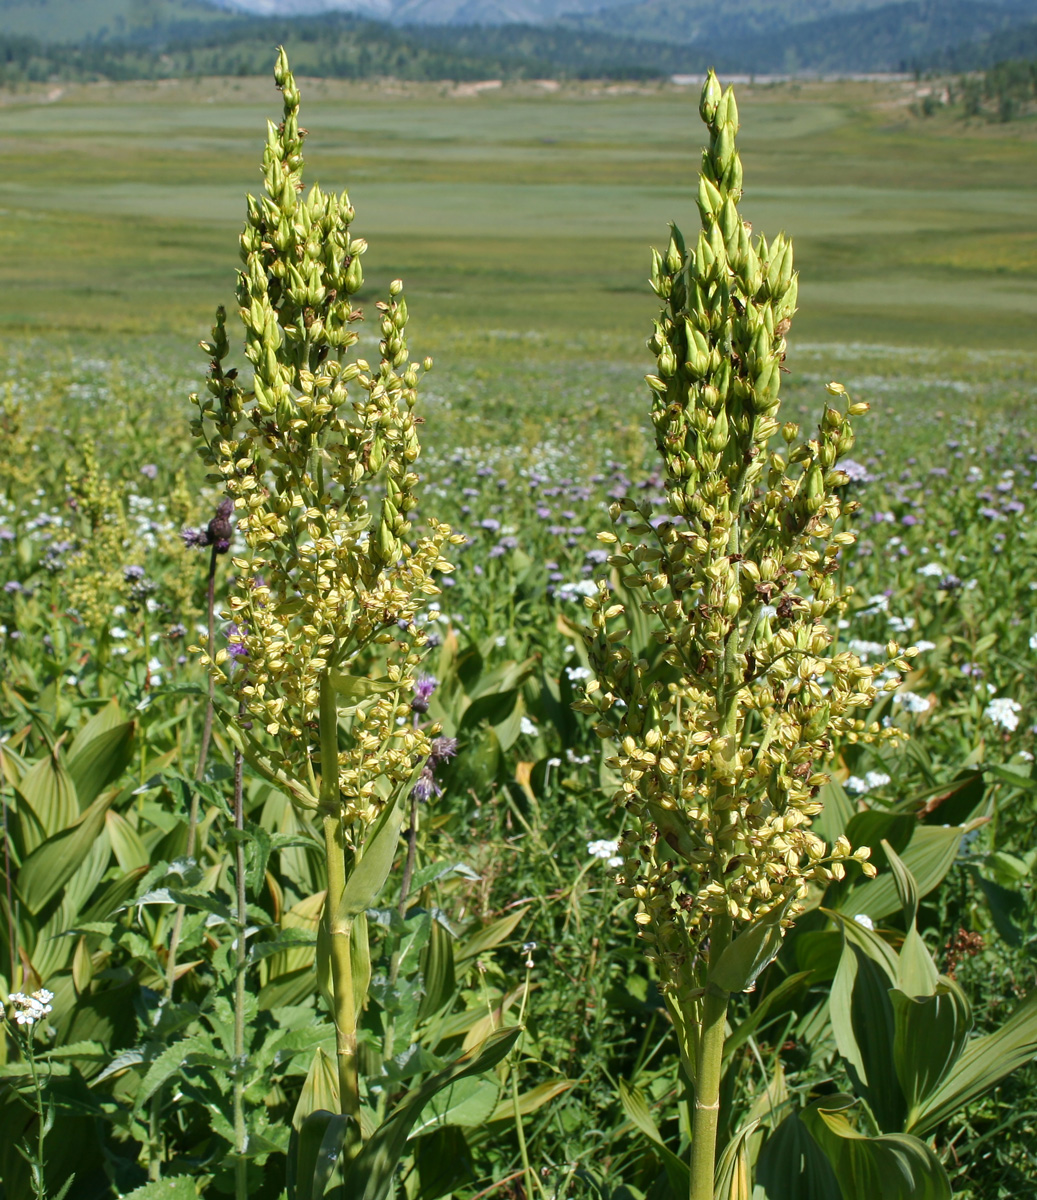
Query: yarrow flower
x=30, y=1009
x=911, y=702
x=606, y=850
x=1003, y=712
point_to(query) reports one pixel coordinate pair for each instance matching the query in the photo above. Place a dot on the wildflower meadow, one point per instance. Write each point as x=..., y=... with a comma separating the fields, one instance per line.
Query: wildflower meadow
x=529, y=785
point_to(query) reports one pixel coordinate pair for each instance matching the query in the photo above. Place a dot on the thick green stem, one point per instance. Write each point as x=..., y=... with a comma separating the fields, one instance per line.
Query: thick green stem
x=240, y=1130
x=340, y=929
x=707, y=1095
x=709, y=1067
x=339, y=935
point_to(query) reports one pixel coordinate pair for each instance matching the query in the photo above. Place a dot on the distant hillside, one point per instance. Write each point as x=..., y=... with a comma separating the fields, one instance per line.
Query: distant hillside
x=79, y=20
x=338, y=47
x=883, y=38
x=1014, y=44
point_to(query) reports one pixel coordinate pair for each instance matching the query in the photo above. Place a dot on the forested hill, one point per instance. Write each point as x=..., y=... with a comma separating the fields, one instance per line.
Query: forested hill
x=949, y=34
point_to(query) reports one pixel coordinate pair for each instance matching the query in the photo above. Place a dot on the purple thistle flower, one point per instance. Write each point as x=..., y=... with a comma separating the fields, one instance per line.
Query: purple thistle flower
x=426, y=786
x=441, y=750
x=424, y=686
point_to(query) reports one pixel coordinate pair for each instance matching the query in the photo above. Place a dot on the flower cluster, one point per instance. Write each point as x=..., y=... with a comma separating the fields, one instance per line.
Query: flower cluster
x=325, y=583
x=715, y=677
x=30, y=1009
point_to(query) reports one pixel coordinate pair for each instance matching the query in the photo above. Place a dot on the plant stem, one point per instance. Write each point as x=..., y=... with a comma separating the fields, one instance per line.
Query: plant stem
x=389, y=1040
x=709, y=1068
x=12, y=935
x=340, y=937
x=340, y=928
x=41, y=1124
x=240, y=1132
x=203, y=755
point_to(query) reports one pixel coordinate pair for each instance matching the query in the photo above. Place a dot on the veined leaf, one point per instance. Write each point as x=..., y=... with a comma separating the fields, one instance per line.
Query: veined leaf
x=929, y=856
x=893, y=1166
x=733, y=1179
x=468, y=1102
x=985, y=1061
x=47, y=788
x=791, y=1166
x=677, y=1171
x=50, y=866
x=931, y=1032
x=863, y=1021
x=749, y=954
x=368, y=877
x=491, y=935
x=357, y=687
x=371, y=1173
x=97, y=761
x=530, y=1101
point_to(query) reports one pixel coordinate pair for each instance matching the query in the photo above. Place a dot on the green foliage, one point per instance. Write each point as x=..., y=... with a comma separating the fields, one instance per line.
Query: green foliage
x=141, y=1077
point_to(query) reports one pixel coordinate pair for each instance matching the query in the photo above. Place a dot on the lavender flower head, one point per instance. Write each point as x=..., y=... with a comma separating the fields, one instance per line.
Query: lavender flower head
x=236, y=635
x=424, y=686
x=216, y=534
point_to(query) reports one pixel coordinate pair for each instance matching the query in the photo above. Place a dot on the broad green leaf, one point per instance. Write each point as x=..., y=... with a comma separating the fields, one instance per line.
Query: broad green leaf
x=929, y=856
x=751, y=952
x=371, y=1173
x=837, y=813
x=893, y=1166
x=469, y=1103
x=48, y=790
x=488, y=937
x=49, y=867
x=357, y=687
x=530, y=1101
x=314, y=1154
x=862, y=1019
x=931, y=1032
x=636, y=1109
x=437, y=971
x=130, y=851
x=97, y=762
x=320, y=1091
x=791, y=1166
x=734, y=1176
x=916, y=972
x=368, y=876
x=985, y=1062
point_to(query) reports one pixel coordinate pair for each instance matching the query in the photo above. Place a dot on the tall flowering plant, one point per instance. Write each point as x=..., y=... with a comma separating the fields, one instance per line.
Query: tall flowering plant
x=316, y=450
x=722, y=731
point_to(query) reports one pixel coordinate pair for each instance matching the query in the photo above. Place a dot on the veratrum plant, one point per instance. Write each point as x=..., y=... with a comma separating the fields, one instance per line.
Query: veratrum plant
x=720, y=739
x=326, y=589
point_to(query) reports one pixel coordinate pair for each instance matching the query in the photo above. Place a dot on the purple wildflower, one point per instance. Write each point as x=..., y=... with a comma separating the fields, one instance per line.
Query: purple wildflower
x=149, y=471
x=441, y=750
x=236, y=635
x=424, y=686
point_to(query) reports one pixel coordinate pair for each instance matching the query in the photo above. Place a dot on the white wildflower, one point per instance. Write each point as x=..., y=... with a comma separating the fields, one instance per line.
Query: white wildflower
x=1003, y=712
x=932, y=569
x=606, y=850
x=863, y=919
x=912, y=702
x=528, y=727
x=576, y=674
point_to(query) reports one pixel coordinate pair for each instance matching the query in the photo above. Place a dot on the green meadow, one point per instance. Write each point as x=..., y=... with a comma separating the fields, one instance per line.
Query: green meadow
x=525, y=210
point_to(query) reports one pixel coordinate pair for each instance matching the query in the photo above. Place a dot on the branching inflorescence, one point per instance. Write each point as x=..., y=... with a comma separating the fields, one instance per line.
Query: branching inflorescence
x=331, y=582
x=326, y=579
x=722, y=730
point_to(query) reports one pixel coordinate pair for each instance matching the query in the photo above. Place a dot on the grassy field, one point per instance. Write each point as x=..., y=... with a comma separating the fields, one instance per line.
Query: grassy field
x=521, y=209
